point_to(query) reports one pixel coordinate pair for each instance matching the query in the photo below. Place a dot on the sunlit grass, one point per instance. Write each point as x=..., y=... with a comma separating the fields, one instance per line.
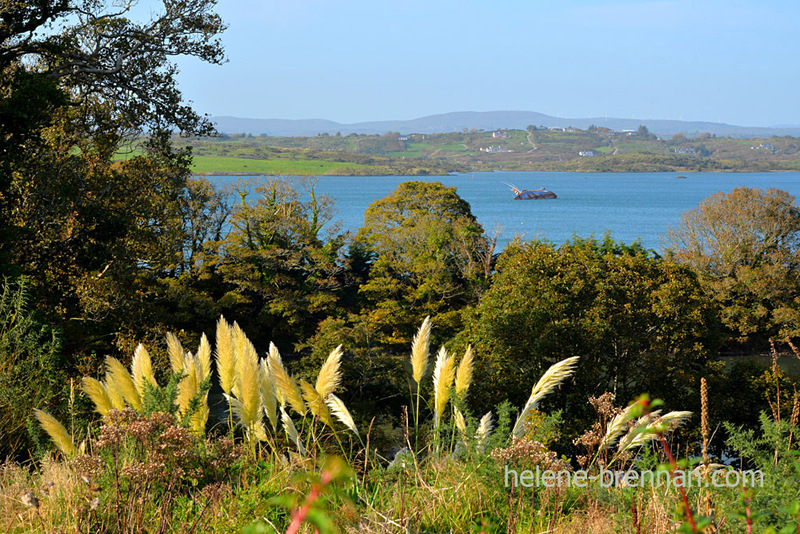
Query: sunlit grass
x=213, y=164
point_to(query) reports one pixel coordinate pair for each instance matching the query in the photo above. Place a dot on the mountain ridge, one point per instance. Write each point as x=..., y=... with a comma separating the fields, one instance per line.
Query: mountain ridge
x=485, y=120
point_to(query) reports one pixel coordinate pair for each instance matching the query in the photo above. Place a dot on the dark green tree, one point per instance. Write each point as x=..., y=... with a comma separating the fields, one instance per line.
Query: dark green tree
x=285, y=272
x=745, y=245
x=430, y=256
x=78, y=80
x=639, y=323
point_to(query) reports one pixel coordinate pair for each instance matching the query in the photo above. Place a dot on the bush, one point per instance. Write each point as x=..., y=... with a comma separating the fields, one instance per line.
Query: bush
x=29, y=372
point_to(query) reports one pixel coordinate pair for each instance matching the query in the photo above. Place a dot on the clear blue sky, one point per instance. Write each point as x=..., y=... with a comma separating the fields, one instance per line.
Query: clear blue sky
x=734, y=61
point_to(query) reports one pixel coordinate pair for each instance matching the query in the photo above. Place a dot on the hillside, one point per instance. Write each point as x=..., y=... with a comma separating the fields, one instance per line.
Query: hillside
x=486, y=120
x=569, y=149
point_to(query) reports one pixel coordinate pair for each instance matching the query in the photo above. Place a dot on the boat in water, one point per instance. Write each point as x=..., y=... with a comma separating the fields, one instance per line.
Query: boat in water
x=531, y=194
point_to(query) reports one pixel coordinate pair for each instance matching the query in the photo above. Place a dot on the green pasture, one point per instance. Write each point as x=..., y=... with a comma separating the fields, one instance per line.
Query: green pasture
x=212, y=164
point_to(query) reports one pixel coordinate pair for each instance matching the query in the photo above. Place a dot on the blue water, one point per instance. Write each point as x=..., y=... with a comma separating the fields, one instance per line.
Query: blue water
x=629, y=205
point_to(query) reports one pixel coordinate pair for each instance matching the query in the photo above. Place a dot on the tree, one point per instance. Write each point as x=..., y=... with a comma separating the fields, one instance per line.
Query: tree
x=429, y=256
x=639, y=323
x=96, y=237
x=746, y=247
x=284, y=274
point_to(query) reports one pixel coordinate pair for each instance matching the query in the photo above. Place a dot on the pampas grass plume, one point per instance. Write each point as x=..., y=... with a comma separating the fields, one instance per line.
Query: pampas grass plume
x=225, y=358
x=203, y=358
x=484, y=431
x=551, y=379
x=142, y=369
x=98, y=393
x=636, y=431
x=464, y=374
x=56, y=431
x=117, y=400
x=291, y=432
x=176, y=353
x=273, y=354
x=268, y=399
x=250, y=391
x=616, y=427
x=330, y=374
x=341, y=412
x=316, y=403
x=443, y=375
x=285, y=385
x=122, y=383
x=188, y=388
x=420, y=350
x=241, y=350
x=461, y=423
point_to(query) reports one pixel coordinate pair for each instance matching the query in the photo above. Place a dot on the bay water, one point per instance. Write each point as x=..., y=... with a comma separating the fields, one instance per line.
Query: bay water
x=631, y=206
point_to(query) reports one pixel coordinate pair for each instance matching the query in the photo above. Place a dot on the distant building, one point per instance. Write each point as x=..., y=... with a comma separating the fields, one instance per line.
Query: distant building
x=403, y=138
x=764, y=146
x=684, y=150
x=500, y=135
x=587, y=153
x=495, y=149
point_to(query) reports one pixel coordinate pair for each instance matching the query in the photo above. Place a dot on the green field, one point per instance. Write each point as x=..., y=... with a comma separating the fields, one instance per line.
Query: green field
x=215, y=164
x=441, y=153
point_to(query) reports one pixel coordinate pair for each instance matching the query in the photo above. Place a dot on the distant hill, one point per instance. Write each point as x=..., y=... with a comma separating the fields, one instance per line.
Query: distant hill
x=485, y=120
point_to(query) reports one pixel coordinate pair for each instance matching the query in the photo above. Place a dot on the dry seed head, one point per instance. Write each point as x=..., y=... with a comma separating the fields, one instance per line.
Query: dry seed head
x=485, y=426
x=551, y=379
x=56, y=431
x=341, y=412
x=704, y=417
x=484, y=430
x=634, y=433
x=226, y=360
x=118, y=376
x=616, y=427
x=176, y=353
x=420, y=350
x=117, y=400
x=461, y=423
x=203, y=358
x=197, y=424
x=241, y=349
x=285, y=386
x=291, y=432
x=316, y=403
x=97, y=392
x=464, y=374
x=663, y=425
x=276, y=356
x=187, y=389
x=268, y=399
x=330, y=374
x=443, y=375
x=250, y=390
x=142, y=369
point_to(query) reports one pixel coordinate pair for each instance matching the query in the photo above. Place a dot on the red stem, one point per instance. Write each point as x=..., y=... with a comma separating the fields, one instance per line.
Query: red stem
x=300, y=514
x=749, y=519
x=674, y=466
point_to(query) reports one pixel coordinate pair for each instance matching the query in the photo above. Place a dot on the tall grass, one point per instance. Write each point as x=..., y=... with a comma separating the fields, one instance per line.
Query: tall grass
x=158, y=472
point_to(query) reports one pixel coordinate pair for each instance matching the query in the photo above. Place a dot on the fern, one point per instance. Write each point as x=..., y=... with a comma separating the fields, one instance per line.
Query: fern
x=162, y=399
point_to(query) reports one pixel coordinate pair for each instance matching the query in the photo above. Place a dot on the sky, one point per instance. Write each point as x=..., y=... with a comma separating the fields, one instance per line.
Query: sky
x=731, y=61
